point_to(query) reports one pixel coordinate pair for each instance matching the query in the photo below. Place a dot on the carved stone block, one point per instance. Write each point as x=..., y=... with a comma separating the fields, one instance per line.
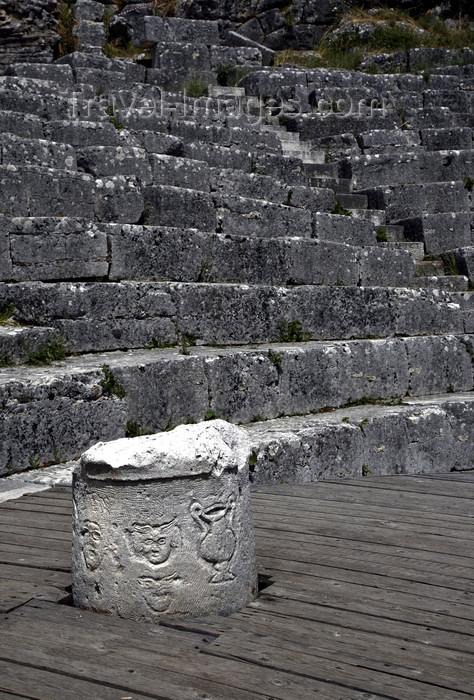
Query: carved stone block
x=162, y=524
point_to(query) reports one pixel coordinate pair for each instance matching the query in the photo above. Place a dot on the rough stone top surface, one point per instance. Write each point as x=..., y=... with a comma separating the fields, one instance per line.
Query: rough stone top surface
x=188, y=450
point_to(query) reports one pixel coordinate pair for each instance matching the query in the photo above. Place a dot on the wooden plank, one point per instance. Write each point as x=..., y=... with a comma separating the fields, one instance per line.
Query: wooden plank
x=312, y=504
x=436, y=489
x=439, y=585
x=389, y=522
x=74, y=642
x=389, y=498
x=32, y=531
x=268, y=651
x=39, y=520
x=27, y=507
x=39, y=576
x=13, y=594
x=374, y=618
x=370, y=601
x=46, y=685
x=38, y=558
x=347, y=550
x=379, y=643
x=14, y=539
x=291, y=529
x=276, y=569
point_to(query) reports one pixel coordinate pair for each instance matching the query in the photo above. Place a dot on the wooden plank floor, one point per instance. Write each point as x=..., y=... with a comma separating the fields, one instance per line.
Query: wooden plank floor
x=368, y=594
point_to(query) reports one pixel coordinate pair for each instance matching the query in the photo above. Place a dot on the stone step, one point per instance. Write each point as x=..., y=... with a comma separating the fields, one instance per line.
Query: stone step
x=343, y=229
x=62, y=75
x=338, y=185
x=95, y=316
x=267, y=188
x=383, y=140
x=455, y=138
x=50, y=249
x=460, y=261
x=252, y=217
x=62, y=409
x=408, y=167
x=22, y=344
x=448, y=283
x=39, y=191
x=19, y=124
x=423, y=435
x=439, y=232
x=101, y=161
x=429, y=268
x=20, y=151
x=353, y=201
x=405, y=200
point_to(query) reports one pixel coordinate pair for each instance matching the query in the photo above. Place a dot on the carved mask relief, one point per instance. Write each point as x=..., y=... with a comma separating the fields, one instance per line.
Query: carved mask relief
x=92, y=544
x=155, y=543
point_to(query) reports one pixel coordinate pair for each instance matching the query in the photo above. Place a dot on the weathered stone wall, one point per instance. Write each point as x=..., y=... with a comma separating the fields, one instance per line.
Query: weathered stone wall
x=28, y=31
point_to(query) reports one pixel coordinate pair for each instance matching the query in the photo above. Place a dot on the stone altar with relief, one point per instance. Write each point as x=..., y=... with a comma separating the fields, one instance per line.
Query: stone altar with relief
x=162, y=524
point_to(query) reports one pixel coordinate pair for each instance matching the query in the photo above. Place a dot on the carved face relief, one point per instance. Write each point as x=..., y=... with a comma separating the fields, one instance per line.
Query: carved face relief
x=154, y=542
x=158, y=593
x=91, y=536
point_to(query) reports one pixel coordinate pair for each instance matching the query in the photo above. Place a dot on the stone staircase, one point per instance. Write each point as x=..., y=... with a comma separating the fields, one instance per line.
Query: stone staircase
x=167, y=260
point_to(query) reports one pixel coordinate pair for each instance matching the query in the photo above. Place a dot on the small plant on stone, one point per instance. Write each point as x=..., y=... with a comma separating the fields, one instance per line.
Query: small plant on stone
x=110, y=385
x=5, y=361
x=118, y=125
x=158, y=344
x=328, y=155
x=382, y=235
x=134, y=429
x=451, y=264
x=287, y=201
x=6, y=316
x=187, y=341
x=223, y=73
x=195, y=85
x=34, y=462
x=366, y=470
x=339, y=209
x=210, y=415
x=468, y=183
x=292, y=332
x=450, y=389
x=253, y=460
x=54, y=351
x=276, y=358
x=66, y=25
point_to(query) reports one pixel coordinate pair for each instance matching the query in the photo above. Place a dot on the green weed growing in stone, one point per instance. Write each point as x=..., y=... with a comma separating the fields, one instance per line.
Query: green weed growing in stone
x=292, y=332
x=134, y=429
x=66, y=24
x=5, y=361
x=110, y=385
x=158, y=344
x=468, y=183
x=253, y=460
x=382, y=236
x=210, y=415
x=195, y=85
x=450, y=389
x=6, y=316
x=339, y=209
x=276, y=358
x=53, y=351
x=366, y=470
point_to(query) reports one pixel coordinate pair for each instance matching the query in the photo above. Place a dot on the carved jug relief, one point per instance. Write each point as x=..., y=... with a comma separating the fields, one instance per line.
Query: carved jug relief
x=218, y=541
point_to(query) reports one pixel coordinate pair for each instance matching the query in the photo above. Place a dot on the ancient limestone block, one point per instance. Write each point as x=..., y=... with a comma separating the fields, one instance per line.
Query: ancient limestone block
x=162, y=524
